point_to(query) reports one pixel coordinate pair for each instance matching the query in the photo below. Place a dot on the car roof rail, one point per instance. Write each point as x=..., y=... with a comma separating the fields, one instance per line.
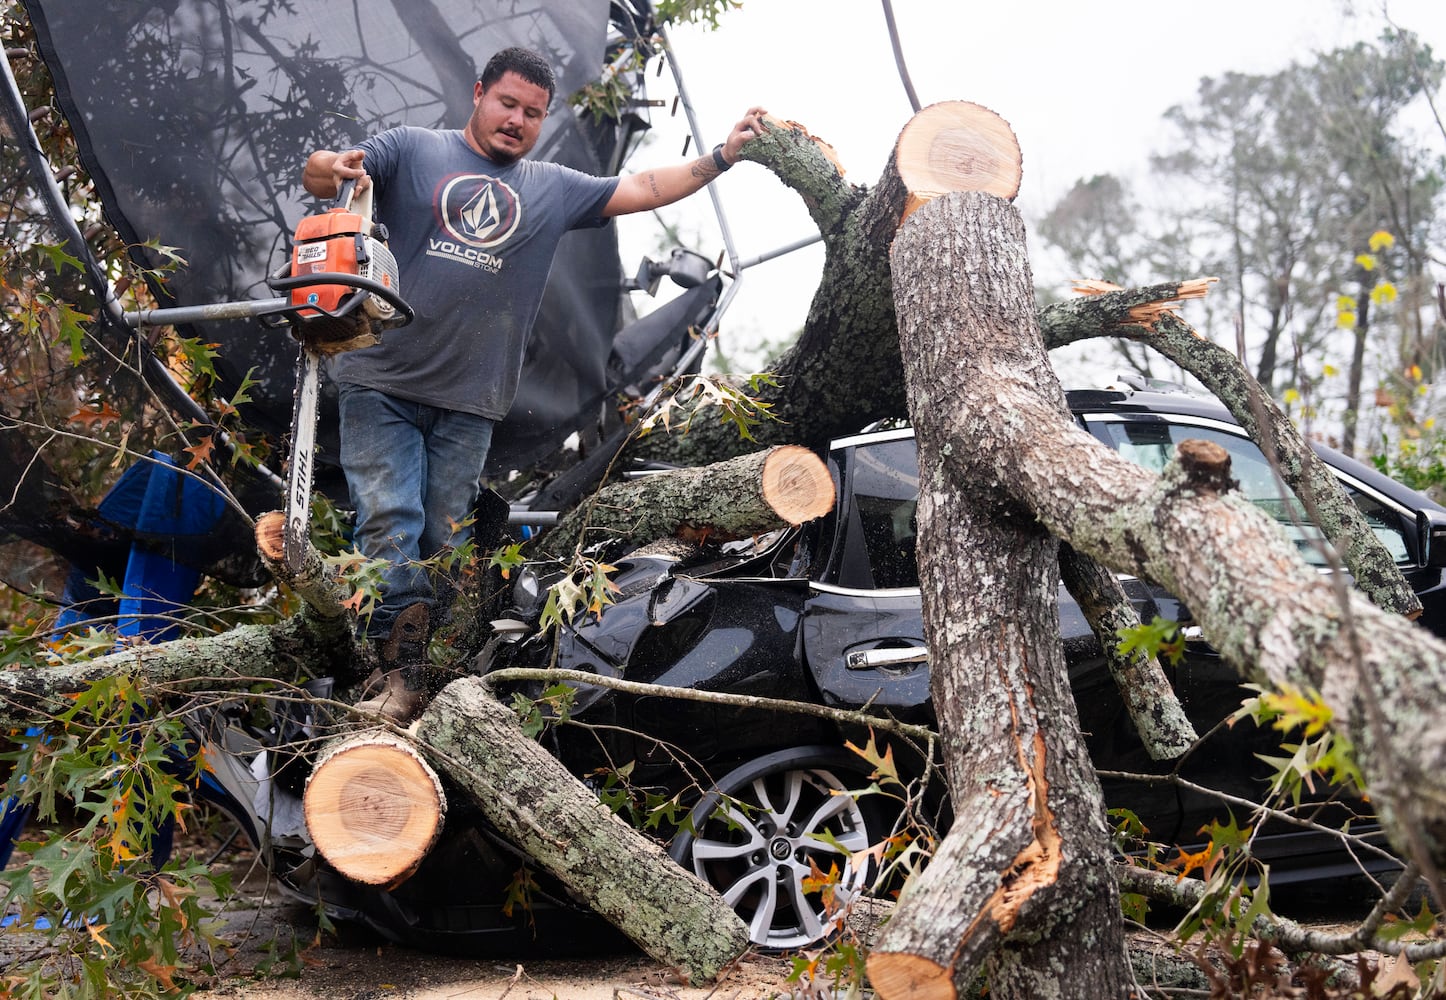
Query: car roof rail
x=1142, y=383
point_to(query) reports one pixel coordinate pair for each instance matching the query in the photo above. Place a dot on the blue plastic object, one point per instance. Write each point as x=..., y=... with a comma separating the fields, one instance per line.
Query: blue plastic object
x=161, y=506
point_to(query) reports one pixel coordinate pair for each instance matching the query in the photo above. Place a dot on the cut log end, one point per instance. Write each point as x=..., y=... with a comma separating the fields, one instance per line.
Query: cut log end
x=374, y=809
x=270, y=529
x=1206, y=465
x=796, y=484
x=898, y=974
x=957, y=146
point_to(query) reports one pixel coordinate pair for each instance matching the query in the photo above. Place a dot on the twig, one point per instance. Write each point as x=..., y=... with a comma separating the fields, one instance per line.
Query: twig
x=922, y=734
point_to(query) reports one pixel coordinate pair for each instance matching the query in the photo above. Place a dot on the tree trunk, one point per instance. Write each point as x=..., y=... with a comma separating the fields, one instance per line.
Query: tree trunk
x=747, y=495
x=844, y=370
x=1021, y=880
x=1276, y=619
x=528, y=796
x=1356, y=373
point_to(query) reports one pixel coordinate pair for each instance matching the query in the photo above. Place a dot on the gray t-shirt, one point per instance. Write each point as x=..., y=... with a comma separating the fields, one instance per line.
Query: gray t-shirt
x=474, y=242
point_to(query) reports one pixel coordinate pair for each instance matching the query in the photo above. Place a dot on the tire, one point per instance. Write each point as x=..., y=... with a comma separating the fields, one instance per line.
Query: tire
x=758, y=834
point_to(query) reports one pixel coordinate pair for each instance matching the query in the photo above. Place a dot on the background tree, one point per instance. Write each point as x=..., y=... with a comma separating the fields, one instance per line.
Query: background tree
x=1275, y=183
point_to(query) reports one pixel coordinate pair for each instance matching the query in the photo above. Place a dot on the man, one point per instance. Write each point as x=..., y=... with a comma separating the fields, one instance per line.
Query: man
x=474, y=228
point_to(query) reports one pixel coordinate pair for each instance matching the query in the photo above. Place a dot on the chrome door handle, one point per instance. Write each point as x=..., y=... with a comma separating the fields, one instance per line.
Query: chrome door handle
x=867, y=659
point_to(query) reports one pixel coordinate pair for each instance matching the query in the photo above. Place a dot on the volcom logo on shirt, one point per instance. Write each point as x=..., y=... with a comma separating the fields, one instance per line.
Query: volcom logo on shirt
x=479, y=213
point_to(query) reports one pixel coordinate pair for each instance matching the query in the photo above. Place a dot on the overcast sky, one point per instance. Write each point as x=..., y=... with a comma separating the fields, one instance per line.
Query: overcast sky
x=1083, y=86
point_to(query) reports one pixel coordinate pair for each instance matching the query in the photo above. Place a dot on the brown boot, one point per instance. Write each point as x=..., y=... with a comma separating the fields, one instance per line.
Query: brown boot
x=399, y=694
x=396, y=696
x=407, y=642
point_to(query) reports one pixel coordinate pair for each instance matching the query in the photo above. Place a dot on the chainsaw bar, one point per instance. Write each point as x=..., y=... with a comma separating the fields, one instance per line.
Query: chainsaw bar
x=303, y=451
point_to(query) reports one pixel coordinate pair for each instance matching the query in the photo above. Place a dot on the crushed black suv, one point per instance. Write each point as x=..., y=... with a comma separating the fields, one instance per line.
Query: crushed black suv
x=829, y=614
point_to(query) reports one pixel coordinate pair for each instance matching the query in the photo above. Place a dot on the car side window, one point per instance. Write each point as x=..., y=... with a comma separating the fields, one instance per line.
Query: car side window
x=1152, y=443
x=879, y=536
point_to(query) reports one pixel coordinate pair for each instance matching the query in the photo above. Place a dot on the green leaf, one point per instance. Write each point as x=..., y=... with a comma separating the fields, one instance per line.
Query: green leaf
x=1160, y=637
x=59, y=259
x=1134, y=906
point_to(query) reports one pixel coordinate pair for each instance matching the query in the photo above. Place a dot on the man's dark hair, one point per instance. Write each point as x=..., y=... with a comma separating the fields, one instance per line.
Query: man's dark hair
x=529, y=65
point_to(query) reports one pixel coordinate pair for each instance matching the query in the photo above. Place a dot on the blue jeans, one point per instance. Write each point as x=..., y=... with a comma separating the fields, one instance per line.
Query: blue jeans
x=413, y=471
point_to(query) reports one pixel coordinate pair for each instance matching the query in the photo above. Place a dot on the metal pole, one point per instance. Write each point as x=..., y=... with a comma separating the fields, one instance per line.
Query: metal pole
x=807, y=241
x=692, y=117
x=200, y=314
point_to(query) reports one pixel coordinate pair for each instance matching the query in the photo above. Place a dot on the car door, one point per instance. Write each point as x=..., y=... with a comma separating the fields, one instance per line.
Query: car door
x=863, y=632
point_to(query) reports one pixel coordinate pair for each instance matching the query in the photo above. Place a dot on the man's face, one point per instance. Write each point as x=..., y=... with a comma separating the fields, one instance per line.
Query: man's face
x=506, y=118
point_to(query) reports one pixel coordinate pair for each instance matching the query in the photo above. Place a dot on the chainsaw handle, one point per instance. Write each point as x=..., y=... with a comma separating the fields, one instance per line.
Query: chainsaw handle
x=288, y=282
x=349, y=199
x=345, y=193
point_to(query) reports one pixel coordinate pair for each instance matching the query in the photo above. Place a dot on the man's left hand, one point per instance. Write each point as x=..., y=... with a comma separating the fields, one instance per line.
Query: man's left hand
x=749, y=127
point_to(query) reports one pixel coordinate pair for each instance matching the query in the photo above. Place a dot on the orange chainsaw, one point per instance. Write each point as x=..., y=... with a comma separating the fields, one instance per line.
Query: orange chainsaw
x=343, y=294
x=340, y=293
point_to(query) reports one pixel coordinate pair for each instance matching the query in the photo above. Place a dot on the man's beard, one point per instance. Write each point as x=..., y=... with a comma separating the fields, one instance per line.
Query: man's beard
x=503, y=157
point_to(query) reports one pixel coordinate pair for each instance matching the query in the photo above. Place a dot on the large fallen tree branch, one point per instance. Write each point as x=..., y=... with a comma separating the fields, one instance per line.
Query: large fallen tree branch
x=559, y=823
x=845, y=369
x=1154, y=710
x=301, y=646
x=1020, y=881
x=742, y=496
x=1143, y=315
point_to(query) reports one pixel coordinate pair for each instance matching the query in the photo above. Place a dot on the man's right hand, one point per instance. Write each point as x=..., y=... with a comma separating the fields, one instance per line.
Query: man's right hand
x=326, y=170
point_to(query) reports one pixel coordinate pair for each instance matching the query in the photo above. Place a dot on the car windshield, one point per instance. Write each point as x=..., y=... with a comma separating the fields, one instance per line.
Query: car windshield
x=1152, y=444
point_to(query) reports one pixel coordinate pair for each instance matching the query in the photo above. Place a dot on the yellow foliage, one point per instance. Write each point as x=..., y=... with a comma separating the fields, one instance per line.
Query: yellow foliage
x=1296, y=707
x=1381, y=240
x=97, y=934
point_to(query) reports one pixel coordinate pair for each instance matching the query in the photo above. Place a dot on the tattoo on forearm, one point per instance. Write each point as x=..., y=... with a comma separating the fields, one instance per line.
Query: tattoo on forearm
x=705, y=169
x=653, y=184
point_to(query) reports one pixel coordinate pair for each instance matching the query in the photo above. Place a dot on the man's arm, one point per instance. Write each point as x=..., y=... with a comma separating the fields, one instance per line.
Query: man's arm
x=325, y=171
x=662, y=186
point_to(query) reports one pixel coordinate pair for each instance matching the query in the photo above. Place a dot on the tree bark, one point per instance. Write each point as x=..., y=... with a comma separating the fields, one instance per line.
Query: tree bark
x=748, y=495
x=1155, y=711
x=1143, y=315
x=845, y=370
x=299, y=647
x=528, y=796
x=1021, y=880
